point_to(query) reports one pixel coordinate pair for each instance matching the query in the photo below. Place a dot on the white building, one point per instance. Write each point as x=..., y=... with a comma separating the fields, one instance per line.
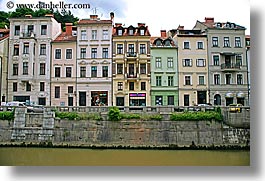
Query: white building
x=94, y=62
x=29, y=58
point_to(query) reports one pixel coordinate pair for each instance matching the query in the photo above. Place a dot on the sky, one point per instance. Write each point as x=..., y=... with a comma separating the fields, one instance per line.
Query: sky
x=160, y=14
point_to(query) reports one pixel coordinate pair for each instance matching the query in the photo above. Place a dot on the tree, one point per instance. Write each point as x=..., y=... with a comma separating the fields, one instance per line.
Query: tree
x=4, y=19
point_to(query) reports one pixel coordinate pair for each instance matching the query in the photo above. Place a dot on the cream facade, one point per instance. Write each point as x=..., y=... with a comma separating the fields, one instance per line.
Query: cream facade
x=131, y=65
x=94, y=45
x=29, y=58
x=63, y=69
x=192, y=67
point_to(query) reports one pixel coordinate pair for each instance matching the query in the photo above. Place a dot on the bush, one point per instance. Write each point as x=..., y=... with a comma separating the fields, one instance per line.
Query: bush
x=7, y=115
x=156, y=117
x=196, y=116
x=114, y=114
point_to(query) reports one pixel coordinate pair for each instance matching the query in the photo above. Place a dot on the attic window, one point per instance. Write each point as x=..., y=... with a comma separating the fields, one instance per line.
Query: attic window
x=131, y=31
x=119, y=32
x=218, y=25
x=141, y=31
x=167, y=42
x=158, y=43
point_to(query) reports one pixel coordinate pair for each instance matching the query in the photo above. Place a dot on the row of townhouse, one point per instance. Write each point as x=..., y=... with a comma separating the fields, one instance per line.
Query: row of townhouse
x=99, y=63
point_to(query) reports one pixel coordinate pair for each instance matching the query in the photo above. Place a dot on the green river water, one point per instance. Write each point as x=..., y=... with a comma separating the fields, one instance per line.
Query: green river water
x=92, y=157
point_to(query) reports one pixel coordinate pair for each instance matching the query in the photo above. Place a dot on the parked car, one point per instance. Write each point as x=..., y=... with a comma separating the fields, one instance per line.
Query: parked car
x=235, y=107
x=35, y=108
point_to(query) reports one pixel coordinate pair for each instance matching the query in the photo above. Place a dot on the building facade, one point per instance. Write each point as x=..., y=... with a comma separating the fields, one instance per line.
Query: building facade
x=192, y=66
x=227, y=62
x=63, y=68
x=164, y=71
x=131, y=65
x=29, y=58
x=94, y=62
x=4, y=40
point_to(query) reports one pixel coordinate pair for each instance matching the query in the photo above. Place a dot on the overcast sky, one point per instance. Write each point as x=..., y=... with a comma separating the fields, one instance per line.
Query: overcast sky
x=161, y=14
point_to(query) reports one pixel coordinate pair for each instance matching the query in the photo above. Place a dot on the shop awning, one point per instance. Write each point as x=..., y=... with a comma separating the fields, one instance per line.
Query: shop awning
x=240, y=95
x=229, y=95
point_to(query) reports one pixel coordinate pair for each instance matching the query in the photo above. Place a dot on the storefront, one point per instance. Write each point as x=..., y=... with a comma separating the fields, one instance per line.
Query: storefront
x=240, y=98
x=229, y=98
x=99, y=98
x=137, y=99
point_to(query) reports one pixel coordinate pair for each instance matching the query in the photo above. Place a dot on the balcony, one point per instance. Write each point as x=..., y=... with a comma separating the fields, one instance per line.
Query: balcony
x=27, y=34
x=131, y=76
x=230, y=67
x=131, y=54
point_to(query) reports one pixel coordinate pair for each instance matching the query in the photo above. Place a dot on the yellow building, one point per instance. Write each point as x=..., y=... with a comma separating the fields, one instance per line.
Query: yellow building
x=192, y=66
x=63, y=69
x=131, y=65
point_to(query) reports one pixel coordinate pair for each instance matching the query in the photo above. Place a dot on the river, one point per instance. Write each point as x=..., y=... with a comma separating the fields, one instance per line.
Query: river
x=90, y=157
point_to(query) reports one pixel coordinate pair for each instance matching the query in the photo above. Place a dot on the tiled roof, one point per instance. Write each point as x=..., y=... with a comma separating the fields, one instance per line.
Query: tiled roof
x=126, y=30
x=152, y=40
x=63, y=37
x=5, y=33
x=222, y=25
x=89, y=21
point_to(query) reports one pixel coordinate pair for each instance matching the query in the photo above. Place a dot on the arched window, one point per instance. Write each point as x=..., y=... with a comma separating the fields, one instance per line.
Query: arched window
x=217, y=99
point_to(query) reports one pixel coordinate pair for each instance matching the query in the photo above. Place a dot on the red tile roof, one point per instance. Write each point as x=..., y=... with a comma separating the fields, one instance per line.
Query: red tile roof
x=89, y=21
x=126, y=30
x=5, y=33
x=63, y=37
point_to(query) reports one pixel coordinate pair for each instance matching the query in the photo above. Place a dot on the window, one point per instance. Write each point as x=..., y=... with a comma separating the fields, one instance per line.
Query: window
x=105, y=34
x=158, y=43
x=57, y=71
x=239, y=79
x=15, y=69
x=200, y=45
x=201, y=80
x=43, y=30
x=26, y=48
x=94, y=71
x=94, y=34
x=187, y=63
x=131, y=85
x=170, y=100
x=68, y=71
x=226, y=42
x=105, y=53
x=131, y=69
x=228, y=78
x=14, y=86
x=58, y=53
x=119, y=32
x=215, y=41
x=119, y=48
x=239, y=60
x=237, y=42
x=170, y=81
x=216, y=79
x=131, y=48
x=83, y=53
x=25, y=68
x=159, y=100
x=16, y=50
x=82, y=71
x=130, y=31
x=143, y=86
x=158, y=80
x=57, y=92
x=188, y=80
x=93, y=52
x=186, y=45
x=83, y=35
x=167, y=43
x=28, y=86
x=30, y=29
x=142, y=68
x=120, y=86
x=170, y=62
x=201, y=63
x=42, y=68
x=17, y=30
x=42, y=86
x=43, y=49
x=158, y=62
x=105, y=71
x=142, y=49
x=119, y=68
x=70, y=89
x=216, y=60
x=68, y=54
x=141, y=32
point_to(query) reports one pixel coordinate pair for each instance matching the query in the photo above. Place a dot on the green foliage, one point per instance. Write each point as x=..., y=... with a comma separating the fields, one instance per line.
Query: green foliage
x=66, y=115
x=196, y=116
x=114, y=114
x=157, y=117
x=7, y=115
x=78, y=116
x=4, y=19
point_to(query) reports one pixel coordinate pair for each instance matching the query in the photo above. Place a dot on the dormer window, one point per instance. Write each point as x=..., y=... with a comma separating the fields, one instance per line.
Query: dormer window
x=167, y=43
x=120, y=32
x=218, y=25
x=141, y=32
x=158, y=43
x=130, y=31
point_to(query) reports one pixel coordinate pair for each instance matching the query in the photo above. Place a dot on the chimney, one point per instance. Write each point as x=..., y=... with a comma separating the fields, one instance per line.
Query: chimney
x=118, y=24
x=111, y=16
x=28, y=16
x=49, y=15
x=163, y=33
x=209, y=20
x=141, y=24
x=68, y=28
x=180, y=28
x=94, y=17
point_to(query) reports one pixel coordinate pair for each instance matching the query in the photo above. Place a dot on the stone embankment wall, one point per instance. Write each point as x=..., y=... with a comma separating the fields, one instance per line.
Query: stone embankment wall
x=36, y=128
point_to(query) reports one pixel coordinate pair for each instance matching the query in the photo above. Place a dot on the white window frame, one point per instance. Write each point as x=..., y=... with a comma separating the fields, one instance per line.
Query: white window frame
x=83, y=34
x=201, y=59
x=160, y=62
x=66, y=53
x=184, y=45
x=242, y=78
x=170, y=64
x=213, y=59
x=185, y=79
x=184, y=62
x=198, y=45
x=231, y=79
x=204, y=83
x=94, y=34
x=105, y=34
x=220, y=79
